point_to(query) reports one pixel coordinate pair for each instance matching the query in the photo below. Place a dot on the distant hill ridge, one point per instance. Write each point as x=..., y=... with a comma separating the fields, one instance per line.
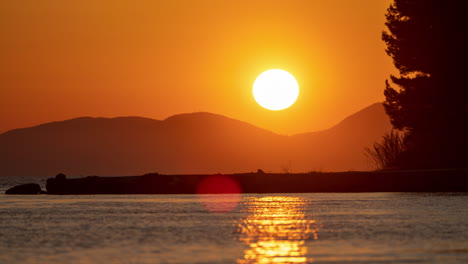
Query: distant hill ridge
x=184, y=144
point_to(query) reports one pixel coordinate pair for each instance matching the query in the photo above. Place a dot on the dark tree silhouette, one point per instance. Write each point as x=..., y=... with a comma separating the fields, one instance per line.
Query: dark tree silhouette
x=428, y=100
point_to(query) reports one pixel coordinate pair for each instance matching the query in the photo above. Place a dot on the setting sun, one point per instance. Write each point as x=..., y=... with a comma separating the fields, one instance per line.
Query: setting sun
x=275, y=89
x=245, y=132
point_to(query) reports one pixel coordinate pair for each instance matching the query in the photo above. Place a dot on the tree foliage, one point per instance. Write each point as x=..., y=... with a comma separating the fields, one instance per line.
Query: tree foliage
x=428, y=100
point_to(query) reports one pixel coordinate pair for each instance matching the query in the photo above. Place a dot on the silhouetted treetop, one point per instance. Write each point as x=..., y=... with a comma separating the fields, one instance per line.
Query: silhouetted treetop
x=423, y=33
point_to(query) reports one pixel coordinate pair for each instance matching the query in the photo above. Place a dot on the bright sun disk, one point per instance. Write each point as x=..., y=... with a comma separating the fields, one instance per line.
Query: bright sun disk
x=275, y=89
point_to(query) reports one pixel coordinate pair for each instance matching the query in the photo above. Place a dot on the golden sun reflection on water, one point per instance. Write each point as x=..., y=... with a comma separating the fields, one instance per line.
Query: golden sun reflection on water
x=276, y=230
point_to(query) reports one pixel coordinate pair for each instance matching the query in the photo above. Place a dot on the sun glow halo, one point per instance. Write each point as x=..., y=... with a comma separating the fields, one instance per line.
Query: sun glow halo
x=275, y=89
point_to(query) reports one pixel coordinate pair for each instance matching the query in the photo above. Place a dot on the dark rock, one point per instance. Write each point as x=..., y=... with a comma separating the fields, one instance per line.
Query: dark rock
x=60, y=177
x=29, y=188
x=56, y=185
x=52, y=185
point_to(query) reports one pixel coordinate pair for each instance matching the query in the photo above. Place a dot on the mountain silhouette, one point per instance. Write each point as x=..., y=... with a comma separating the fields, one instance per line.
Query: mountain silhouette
x=185, y=144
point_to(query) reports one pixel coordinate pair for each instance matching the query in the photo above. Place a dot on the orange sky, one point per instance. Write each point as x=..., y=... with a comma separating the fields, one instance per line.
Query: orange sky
x=65, y=59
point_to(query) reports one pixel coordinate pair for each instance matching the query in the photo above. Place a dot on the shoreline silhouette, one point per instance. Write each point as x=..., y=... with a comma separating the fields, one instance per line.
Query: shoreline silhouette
x=443, y=180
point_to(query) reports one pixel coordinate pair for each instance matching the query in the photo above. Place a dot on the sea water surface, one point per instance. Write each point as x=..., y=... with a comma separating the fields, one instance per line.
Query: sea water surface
x=249, y=228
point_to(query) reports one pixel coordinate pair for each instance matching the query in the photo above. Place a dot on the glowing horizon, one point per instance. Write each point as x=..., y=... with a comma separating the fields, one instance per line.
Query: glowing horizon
x=161, y=58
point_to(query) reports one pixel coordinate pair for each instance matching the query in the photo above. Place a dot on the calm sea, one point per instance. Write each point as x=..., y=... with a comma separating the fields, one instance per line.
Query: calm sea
x=251, y=228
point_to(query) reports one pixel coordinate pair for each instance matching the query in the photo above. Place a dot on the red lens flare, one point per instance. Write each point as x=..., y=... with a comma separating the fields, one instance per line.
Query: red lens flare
x=219, y=193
